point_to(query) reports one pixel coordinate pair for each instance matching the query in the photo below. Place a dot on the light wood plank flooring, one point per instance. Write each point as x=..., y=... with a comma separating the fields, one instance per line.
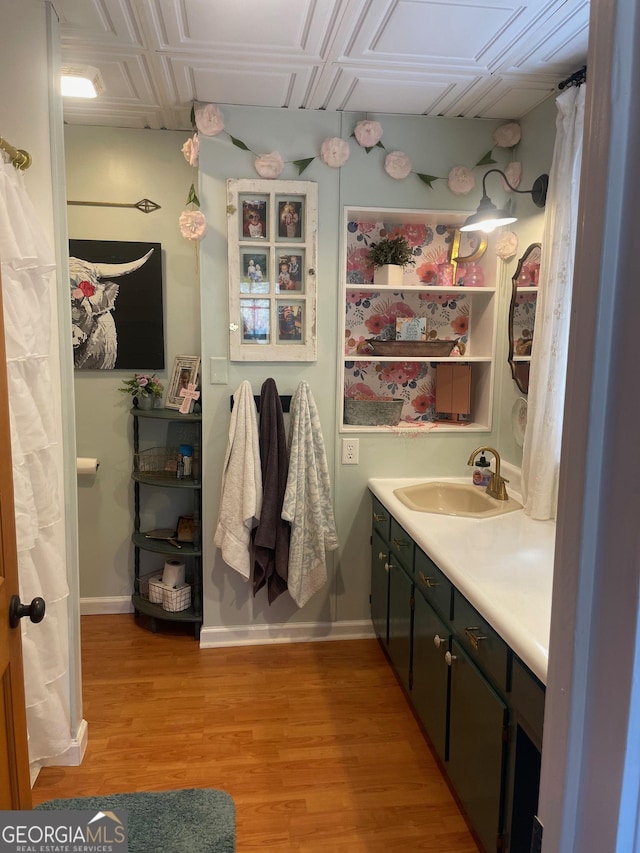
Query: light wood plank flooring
x=315, y=742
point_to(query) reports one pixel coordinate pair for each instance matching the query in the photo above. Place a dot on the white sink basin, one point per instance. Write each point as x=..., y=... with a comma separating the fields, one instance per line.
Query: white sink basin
x=462, y=499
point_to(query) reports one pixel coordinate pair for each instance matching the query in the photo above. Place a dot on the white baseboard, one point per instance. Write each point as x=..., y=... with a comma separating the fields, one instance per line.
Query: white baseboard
x=107, y=605
x=296, y=632
x=247, y=635
x=72, y=757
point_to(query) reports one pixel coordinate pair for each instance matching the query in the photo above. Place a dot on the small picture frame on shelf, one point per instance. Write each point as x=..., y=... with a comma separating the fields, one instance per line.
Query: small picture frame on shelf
x=186, y=369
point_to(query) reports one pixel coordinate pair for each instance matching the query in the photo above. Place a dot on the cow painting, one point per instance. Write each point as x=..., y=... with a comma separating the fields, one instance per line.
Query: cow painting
x=116, y=305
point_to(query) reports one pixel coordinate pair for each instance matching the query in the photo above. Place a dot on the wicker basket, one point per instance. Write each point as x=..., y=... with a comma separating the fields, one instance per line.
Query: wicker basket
x=160, y=462
x=372, y=412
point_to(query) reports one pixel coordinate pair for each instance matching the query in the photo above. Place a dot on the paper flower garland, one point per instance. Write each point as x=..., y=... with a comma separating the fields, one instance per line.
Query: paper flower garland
x=209, y=120
x=507, y=135
x=269, y=165
x=192, y=224
x=334, y=152
x=514, y=175
x=461, y=180
x=190, y=150
x=397, y=165
x=368, y=133
x=192, y=221
x=506, y=245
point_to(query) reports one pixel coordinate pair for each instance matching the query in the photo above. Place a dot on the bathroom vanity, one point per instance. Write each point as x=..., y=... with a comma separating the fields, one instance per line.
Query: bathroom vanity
x=462, y=608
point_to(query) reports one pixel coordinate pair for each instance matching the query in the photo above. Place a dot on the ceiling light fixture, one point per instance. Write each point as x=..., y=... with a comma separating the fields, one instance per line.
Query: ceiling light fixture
x=488, y=217
x=82, y=81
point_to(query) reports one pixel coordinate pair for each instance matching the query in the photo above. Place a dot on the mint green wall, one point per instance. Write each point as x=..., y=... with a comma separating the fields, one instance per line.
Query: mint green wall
x=126, y=165
x=434, y=146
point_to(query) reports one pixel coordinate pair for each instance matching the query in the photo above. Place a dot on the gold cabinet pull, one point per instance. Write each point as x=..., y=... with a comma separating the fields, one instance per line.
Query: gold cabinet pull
x=428, y=582
x=400, y=543
x=474, y=639
x=377, y=517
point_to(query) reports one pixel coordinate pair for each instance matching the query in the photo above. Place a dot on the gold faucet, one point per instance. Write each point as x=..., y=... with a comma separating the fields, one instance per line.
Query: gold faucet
x=496, y=488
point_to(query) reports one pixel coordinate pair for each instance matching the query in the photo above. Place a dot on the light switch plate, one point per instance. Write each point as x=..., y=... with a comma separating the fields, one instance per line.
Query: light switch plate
x=218, y=371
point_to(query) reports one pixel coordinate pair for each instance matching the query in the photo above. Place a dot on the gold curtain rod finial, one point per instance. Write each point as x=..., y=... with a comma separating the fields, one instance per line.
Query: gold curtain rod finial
x=20, y=158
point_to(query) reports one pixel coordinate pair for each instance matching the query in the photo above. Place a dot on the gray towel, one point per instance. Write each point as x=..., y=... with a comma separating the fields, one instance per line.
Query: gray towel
x=271, y=536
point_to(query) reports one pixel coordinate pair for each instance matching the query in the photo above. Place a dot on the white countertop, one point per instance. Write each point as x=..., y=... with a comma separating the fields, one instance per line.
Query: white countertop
x=502, y=565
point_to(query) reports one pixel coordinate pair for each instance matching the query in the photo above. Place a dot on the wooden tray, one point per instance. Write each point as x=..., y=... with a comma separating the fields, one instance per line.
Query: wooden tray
x=421, y=349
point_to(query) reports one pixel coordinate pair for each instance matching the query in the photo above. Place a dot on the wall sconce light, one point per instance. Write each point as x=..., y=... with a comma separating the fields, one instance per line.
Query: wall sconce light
x=82, y=81
x=488, y=217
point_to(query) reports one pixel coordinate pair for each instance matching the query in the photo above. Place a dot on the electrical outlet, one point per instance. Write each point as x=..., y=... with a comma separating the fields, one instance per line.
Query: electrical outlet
x=350, y=451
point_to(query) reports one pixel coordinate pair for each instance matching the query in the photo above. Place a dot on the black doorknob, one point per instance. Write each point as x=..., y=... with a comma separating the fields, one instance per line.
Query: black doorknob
x=35, y=610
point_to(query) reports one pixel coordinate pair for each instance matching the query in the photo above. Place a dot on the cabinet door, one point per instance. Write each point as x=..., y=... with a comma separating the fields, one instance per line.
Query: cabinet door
x=380, y=586
x=430, y=689
x=400, y=621
x=477, y=747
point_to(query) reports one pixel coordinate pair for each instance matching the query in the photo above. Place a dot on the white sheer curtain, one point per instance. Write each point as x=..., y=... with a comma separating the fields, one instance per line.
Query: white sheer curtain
x=541, y=451
x=27, y=271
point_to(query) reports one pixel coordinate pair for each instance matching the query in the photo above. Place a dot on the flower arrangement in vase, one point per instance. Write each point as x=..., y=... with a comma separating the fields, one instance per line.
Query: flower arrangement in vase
x=389, y=257
x=144, y=388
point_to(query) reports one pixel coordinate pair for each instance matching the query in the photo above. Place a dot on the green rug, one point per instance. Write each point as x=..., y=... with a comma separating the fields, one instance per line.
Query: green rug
x=188, y=821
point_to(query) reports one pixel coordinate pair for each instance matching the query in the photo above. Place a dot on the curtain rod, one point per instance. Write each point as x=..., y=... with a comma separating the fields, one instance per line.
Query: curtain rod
x=20, y=158
x=576, y=79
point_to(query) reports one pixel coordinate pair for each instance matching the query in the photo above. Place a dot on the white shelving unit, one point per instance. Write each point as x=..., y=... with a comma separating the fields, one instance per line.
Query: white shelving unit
x=464, y=312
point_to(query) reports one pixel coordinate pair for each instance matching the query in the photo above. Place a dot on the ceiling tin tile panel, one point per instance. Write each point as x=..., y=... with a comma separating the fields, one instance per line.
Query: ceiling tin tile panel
x=127, y=78
x=227, y=83
x=100, y=22
x=243, y=28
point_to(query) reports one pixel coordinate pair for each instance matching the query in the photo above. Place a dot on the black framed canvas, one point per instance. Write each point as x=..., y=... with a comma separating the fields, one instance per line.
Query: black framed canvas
x=116, y=305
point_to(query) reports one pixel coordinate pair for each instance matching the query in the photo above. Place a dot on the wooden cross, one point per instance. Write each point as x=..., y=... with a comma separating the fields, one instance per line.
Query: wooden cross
x=190, y=396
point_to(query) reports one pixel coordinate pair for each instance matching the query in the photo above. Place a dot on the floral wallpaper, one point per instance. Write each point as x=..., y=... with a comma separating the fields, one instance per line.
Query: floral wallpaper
x=524, y=318
x=373, y=313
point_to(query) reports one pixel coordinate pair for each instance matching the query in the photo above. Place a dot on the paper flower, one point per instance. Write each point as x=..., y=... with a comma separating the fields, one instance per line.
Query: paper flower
x=192, y=224
x=461, y=180
x=368, y=133
x=507, y=135
x=506, y=245
x=397, y=165
x=514, y=175
x=190, y=150
x=269, y=165
x=334, y=152
x=209, y=120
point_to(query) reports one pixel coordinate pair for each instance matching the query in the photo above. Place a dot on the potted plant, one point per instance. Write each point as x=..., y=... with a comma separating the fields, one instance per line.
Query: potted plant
x=144, y=389
x=389, y=257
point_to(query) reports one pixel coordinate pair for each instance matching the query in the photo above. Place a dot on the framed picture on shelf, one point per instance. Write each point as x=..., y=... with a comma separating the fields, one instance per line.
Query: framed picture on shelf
x=186, y=369
x=272, y=277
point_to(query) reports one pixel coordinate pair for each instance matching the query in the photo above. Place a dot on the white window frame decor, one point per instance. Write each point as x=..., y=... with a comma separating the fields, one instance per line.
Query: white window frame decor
x=272, y=240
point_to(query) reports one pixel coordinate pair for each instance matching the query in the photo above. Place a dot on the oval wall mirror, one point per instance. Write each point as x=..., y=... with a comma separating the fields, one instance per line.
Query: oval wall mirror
x=522, y=315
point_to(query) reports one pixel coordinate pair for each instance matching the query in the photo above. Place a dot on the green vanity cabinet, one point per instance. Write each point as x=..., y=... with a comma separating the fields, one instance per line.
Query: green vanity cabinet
x=400, y=621
x=380, y=586
x=478, y=735
x=479, y=704
x=430, y=673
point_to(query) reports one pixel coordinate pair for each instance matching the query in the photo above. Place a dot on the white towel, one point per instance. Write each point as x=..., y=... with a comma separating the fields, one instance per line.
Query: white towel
x=307, y=500
x=241, y=498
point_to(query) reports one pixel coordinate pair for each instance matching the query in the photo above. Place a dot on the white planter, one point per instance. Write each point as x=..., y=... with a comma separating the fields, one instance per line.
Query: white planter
x=388, y=275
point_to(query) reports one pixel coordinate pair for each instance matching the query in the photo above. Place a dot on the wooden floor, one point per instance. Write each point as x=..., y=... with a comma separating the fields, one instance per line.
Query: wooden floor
x=315, y=742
